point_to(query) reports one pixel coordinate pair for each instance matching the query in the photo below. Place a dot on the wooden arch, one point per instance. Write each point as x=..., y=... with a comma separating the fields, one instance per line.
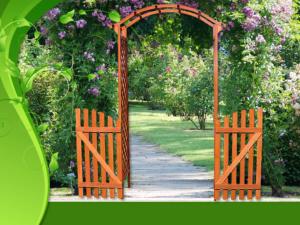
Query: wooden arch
x=121, y=29
x=238, y=175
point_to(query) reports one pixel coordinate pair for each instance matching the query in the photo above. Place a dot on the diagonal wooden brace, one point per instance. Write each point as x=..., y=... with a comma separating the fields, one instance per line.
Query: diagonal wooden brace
x=99, y=158
x=237, y=160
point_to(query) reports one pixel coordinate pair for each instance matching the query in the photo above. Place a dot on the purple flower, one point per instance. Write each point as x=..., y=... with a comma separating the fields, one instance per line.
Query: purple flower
x=110, y=46
x=137, y=3
x=89, y=56
x=260, y=39
x=43, y=30
x=72, y=164
x=106, y=22
x=233, y=6
x=189, y=3
x=62, y=35
x=81, y=23
x=251, y=23
x=278, y=30
x=125, y=11
x=52, y=14
x=160, y=1
x=230, y=25
x=248, y=11
x=94, y=91
x=48, y=42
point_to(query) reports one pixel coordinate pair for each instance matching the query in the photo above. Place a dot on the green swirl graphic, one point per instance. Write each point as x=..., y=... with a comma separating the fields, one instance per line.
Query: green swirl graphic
x=24, y=174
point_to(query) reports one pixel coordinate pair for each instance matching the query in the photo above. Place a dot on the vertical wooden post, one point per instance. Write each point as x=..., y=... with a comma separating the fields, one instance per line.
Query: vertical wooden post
x=79, y=153
x=234, y=153
x=119, y=160
x=242, y=165
x=111, y=154
x=87, y=161
x=251, y=153
x=226, y=154
x=217, y=161
x=259, y=152
x=126, y=105
x=95, y=162
x=216, y=30
x=103, y=153
x=119, y=123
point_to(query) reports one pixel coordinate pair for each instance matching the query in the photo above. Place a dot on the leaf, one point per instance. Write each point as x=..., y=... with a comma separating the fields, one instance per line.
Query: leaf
x=67, y=73
x=3, y=38
x=82, y=12
x=114, y=16
x=53, y=165
x=43, y=127
x=30, y=75
x=91, y=76
x=37, y=34
x=67, y=18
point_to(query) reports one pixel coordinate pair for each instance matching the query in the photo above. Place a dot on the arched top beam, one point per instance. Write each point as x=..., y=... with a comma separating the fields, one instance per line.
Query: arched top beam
x=143, y=13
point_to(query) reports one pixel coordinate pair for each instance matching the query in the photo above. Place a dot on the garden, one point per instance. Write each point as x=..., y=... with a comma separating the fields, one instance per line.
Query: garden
x=69, y=60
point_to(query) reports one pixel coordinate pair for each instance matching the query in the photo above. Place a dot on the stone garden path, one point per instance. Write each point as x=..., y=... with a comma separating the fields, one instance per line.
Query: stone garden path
x=160, y=176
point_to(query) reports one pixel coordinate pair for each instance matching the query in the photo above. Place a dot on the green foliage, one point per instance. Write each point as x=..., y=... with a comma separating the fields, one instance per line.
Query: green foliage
x=170, y=67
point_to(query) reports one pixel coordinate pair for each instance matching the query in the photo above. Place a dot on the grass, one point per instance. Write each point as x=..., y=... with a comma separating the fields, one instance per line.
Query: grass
x=174, y=135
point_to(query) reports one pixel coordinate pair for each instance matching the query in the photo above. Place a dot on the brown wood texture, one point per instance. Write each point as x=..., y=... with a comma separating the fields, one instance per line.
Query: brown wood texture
x=251, y=153
x=95, y=162
x=79, y=153
x=101, y=154
x=111, y=154
x=217, y=161
x=87, y=161
x=259, y=154
x=234, y=153
x=226, y=154
x=242, y=165
x=240, y=149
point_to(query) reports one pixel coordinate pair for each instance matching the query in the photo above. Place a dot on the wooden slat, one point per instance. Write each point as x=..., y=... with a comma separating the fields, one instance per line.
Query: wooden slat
x=99, y=185
x=95, y=162
x=119, y=160
x=217, y=160
x=251, y=153
x=237, y=186
x=79, y=153
x=87, y=154
x=111, y=154
x=99, y=129
x=242, y=164
x=226, y=154
x=238, y=130
x=259, y=154
x=103, y=154
x=234, y=153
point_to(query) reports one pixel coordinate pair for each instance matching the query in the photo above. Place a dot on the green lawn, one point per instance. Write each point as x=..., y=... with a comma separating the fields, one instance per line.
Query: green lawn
x=173, y=135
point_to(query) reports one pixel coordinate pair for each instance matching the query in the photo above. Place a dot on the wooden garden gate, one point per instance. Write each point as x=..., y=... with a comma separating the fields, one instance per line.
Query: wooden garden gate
x=104, y=158
x=241, y=156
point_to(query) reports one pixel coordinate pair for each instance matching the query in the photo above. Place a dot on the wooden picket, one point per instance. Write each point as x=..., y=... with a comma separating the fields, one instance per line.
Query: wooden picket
x=99, y=155
x=241, y=151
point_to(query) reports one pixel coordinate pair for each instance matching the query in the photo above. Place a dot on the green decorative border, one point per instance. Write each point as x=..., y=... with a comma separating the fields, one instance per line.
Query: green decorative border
x=24, y=174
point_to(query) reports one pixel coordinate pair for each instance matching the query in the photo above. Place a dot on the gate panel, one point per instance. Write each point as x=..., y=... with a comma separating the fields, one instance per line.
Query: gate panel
x=240, y=149
x=98, y=155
